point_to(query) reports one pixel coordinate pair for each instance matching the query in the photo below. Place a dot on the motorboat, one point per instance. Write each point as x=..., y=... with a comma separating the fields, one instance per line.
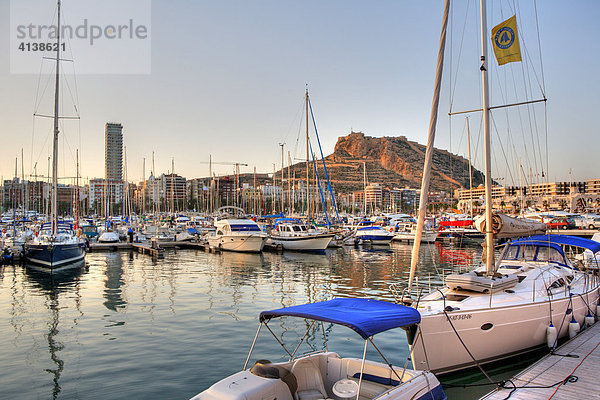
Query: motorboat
x=537, y=291
x=108, y=236
x=406, y=232
x=293, y=234
x=235, y=232
x=326, y=374
x=368, y=233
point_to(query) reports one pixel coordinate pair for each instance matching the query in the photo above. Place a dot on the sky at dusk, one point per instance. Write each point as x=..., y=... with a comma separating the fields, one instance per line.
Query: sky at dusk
x=227, y=78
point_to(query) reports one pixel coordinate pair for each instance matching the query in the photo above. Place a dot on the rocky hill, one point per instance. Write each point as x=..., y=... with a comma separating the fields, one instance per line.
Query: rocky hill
x=393, y=162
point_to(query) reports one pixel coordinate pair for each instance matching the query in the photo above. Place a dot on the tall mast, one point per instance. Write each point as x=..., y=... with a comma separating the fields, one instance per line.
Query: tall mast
x=282, y=192
x=143, y=188
x=24, y=190
x=365, y=187
x=307, y=161
x=210, y=183
x=172, y=185
x=55, y=142
x=489, y=235
x=429, y=151
x=127, y=198
x=153, y=191
x=77, y=191
x=470, y=173
x=290, y=198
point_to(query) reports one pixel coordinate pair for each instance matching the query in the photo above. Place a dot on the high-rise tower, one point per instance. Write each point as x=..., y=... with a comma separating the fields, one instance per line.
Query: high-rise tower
x=113, y=157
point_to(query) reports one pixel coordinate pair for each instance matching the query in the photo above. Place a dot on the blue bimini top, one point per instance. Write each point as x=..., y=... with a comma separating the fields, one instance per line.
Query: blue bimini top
x=561, y=240
x=366, y=317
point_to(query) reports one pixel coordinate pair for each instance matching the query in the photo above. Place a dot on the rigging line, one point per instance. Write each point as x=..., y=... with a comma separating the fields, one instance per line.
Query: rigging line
x=66, y=82
x=504, y=96
x=68, y=41
x=300, y=111
x=524, y=45
x=299, y=132
x=514, y=84
x=502, y=148
x=537, y=27
x=546, y=129
x=39, y=99
x=533, y=114
x=479, y=133
x=529, y=117
x=532, y=68
x=453, y=89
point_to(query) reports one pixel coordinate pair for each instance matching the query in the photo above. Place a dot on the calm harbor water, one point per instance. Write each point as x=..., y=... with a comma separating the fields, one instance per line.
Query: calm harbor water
x=124, y=326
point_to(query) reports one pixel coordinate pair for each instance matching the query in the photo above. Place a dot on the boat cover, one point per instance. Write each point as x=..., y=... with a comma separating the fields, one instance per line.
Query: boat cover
x=367, y=317
x=287, y=220
x=561, y=240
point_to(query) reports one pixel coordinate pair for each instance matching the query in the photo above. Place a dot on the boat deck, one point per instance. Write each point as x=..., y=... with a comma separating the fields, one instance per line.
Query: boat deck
x=555, y=368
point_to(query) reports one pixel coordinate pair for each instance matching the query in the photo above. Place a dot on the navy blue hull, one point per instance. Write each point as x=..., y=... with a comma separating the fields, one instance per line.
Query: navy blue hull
x=55, y=255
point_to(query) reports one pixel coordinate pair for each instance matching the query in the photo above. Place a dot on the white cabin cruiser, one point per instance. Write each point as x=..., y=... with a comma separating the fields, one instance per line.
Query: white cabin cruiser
x=108, y=236
x=236, y=233
x=536, y=293
x=407, y=232
x=325, y=374
x=367, y=232
x=292, y=234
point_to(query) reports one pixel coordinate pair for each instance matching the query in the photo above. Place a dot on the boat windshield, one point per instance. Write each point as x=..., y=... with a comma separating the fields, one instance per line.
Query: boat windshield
x=534, y=253
x=245, y=228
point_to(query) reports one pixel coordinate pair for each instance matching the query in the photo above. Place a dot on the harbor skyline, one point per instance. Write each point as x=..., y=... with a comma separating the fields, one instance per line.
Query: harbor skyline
x=228, y=80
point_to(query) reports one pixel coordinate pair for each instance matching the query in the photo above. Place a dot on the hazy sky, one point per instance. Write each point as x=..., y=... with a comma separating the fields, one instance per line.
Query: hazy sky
x=228, y=79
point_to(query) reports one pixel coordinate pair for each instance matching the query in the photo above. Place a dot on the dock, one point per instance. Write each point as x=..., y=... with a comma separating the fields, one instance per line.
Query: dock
x=536, y=381
x=146, y=247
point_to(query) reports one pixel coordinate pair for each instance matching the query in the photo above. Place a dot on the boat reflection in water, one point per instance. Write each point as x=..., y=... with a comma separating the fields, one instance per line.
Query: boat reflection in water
x=52, y=285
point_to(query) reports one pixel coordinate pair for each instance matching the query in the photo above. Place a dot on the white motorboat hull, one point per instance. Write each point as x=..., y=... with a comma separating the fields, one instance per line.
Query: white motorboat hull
x=302, y=243
x=246, y=385
x=426, y=237
x=514, y=330
x=240, y=243
x=108, y=237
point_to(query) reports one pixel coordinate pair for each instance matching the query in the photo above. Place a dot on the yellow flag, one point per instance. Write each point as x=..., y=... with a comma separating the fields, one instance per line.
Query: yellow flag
x=506, y=41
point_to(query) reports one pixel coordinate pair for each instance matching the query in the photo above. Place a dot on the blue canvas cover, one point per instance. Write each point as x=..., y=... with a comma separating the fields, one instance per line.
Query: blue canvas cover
x=366, y=317
x=561, y=240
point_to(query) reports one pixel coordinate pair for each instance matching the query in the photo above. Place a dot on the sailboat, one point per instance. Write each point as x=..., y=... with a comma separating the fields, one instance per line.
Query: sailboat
x=56, y=245
x=535, y=294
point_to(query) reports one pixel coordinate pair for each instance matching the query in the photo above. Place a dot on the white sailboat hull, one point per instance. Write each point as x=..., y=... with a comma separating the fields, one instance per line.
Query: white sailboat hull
x=515, y=329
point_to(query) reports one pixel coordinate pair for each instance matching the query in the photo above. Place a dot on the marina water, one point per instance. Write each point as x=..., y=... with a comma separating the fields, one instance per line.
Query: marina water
x=126, y=326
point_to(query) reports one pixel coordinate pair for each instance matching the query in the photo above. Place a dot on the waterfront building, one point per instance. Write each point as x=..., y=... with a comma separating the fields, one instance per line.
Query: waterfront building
x=105, y=193
x=113, y=163
x=113, y=151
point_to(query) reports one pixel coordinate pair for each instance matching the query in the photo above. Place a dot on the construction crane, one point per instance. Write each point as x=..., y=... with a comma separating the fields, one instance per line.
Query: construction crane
x=210, y=173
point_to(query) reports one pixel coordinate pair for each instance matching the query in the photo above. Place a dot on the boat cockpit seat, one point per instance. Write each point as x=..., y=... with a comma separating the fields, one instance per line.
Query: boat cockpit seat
x=265, y=369
x=310, y=381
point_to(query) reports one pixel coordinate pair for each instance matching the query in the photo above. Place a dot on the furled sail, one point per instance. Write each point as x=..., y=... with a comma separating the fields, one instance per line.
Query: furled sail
x=504, y=226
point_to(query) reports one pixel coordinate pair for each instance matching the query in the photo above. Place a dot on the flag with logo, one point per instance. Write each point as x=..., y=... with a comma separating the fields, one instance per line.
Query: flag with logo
x=505, y=41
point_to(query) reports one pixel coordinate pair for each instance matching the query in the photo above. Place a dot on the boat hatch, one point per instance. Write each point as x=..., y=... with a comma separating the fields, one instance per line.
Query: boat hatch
x=456, y=297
